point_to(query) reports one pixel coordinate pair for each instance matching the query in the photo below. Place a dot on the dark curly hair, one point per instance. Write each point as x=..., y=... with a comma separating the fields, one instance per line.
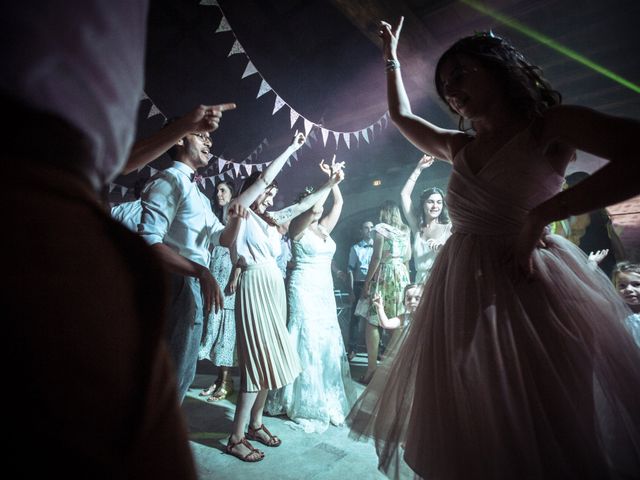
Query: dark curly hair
x=250, y=180
x=443, y=218
x=526, y=88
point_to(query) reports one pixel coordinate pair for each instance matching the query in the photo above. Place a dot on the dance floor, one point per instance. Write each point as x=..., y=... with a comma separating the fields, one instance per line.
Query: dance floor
x=307, y=456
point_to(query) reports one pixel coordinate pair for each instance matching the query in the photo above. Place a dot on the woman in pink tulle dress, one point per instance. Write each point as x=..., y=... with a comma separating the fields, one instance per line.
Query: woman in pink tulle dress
x=518, y=365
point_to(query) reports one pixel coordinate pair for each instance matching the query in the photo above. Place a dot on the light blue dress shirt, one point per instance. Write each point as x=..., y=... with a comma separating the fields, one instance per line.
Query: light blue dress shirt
x=175, y=212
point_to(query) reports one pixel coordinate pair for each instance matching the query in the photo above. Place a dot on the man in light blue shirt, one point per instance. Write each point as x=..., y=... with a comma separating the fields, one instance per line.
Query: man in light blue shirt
x=178, y=223
x=359, y=258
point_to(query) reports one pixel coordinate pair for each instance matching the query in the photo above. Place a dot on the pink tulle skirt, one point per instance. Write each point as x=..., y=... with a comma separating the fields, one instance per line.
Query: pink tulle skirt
x=504, y=377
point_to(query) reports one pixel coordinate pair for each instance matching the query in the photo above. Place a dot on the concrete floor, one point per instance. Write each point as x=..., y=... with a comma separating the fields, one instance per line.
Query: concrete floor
x=308, y=456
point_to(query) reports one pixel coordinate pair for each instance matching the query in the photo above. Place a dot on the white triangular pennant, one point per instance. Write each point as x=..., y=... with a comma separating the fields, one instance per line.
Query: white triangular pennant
x=236, y=48
x=357, y=139
x=250, y=70
x=295, y=155
x=221, y=163
x=144, y=96
x=365, y=134
x=325, y=134
x=123, y=190
x=236, y=167
x=152, y=171
x=111, y=187
x=249, y=169
x=313, y=135
x=153, y=111
x=224, y=25
x=288, y=162
x=307, y=127
x=336, y=135
x=264, y=88
x=294, y=117
x=279, y=103
x=346, y=138
x=259, y=166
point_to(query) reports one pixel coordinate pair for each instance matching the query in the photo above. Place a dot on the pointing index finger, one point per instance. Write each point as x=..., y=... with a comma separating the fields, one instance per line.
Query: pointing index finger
x=223, y=107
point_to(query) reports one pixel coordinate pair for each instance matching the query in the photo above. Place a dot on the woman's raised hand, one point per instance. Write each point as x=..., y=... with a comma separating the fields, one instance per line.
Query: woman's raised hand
x=390, y=38
x=298, y=140
x=425, y=161
x=336, y=176
x=329, y=170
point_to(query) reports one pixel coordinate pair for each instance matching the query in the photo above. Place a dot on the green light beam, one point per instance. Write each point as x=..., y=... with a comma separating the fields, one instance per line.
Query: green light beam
x=549, y=42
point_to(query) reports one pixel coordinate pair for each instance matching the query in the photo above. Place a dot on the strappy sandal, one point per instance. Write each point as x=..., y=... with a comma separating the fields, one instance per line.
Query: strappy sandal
x=222, y=391
x=207, y=392
x=245, y=458
x=273, y=441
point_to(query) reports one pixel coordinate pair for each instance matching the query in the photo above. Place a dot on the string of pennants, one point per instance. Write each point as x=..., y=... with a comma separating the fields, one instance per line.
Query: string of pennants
x=242, y=169
x=226, y=168
x=348, y=138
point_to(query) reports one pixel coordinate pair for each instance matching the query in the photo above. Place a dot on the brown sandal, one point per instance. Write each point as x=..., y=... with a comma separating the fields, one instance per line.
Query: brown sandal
x=245, y=458
x=221, y=392
x=273, y=441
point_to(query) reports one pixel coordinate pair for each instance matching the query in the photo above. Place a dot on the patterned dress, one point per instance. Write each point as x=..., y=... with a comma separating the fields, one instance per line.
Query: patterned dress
x=392, y=274
x=219, y=341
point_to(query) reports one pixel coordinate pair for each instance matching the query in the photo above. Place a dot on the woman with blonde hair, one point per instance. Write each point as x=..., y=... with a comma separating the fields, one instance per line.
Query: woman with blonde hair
x=387, y=276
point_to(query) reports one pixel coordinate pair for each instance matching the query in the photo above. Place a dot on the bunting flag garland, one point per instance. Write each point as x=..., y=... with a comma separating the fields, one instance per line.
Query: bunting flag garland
x=224, y=26
x=249, y=70
x=236, y=48
x=153, y=111
x=325, y=135
x=279, y=103
x=233, y=168
x=264, y=88
x=294, y=117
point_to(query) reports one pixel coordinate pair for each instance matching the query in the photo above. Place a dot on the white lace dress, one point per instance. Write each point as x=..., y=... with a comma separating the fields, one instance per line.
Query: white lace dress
x=324, y=392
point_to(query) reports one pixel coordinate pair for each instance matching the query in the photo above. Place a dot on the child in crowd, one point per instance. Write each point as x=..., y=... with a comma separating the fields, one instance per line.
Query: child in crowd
x=626, y=278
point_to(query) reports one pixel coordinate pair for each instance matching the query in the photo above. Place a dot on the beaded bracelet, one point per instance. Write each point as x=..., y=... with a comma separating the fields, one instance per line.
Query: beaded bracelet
x=391, y=65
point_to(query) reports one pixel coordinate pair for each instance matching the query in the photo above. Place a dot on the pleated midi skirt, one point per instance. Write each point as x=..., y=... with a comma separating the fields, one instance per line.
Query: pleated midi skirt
x=265, y=355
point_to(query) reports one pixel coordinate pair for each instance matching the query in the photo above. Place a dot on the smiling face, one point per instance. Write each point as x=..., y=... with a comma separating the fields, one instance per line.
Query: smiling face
x=223, y=194
x=264, y=200
x=433, y=206
x=628, y=285
x=468, y=87
x=196, y=147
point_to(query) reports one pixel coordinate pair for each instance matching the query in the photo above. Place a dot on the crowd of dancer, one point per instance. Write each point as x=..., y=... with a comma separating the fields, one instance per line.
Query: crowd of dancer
x=511, y=350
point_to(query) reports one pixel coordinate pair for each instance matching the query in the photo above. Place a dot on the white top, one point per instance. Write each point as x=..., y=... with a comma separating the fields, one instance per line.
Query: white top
x=632, y=322
x=257, y=241
x=359, y=259
x=424, y=255
x=175, y=212
x=84, y=62
x=128, y=214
